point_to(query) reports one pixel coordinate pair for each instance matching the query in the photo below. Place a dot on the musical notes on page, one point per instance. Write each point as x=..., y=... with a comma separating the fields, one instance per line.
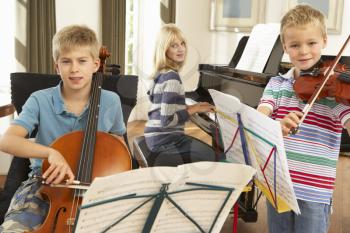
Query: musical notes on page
x=264, y=148
x=123, y=202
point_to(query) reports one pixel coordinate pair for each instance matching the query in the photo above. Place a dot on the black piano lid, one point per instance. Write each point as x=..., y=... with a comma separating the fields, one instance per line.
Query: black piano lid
x=272, y=63
x=259, y=79
x=239, y=51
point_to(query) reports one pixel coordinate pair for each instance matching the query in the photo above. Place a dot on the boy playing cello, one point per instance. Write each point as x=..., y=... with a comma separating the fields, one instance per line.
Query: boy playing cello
x=55, y=112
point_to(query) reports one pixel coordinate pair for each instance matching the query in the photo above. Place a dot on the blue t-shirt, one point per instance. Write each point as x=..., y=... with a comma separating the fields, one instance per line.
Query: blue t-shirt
x=45, y=109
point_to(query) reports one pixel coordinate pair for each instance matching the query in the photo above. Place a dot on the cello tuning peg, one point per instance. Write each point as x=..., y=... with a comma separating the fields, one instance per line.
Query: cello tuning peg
x=114, y=69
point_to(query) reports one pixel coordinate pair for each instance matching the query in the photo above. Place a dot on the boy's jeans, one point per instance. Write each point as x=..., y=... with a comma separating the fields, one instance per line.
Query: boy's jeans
x=314, y=218
x=27, y=210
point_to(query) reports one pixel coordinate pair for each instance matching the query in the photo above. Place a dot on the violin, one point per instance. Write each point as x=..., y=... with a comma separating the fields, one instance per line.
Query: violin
x=89, y=153
x=338, y=85
x=320, y=86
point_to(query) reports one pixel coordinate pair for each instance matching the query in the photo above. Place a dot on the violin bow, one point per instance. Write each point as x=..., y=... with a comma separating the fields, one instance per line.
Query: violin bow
x=318, y=90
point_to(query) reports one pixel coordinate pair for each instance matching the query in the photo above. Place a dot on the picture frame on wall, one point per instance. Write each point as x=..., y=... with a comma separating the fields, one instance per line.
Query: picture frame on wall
x=236, y=15
x=332, y=9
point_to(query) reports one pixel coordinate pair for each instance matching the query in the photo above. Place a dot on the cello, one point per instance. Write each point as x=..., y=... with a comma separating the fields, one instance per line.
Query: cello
x=89, y=153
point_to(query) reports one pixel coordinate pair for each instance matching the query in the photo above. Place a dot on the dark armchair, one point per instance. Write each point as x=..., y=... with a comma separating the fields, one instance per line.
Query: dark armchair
x=23, y=84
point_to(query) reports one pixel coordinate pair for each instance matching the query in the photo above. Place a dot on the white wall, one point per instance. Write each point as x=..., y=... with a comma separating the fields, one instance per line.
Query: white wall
x=86, y=12
x=336, y=41
x=5, y=159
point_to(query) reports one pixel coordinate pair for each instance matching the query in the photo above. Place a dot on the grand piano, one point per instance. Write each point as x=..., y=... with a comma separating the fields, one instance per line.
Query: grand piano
x=248, y=87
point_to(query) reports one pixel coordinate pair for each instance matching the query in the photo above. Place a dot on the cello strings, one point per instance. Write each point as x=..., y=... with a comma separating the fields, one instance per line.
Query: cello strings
x=77, y=193
x=92, y=137
x=88, y=137
x=86, y=158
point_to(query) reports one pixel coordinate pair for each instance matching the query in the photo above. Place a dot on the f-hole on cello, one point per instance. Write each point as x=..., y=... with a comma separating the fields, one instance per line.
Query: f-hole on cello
x=89, y=153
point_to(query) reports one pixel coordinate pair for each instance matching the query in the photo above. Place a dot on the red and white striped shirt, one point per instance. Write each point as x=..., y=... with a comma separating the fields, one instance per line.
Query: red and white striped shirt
x=313, y=152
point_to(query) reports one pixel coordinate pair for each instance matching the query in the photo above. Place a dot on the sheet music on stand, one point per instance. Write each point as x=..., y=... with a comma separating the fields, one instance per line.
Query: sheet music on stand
x=194, y=197
x=250, y=137
x=259, y=46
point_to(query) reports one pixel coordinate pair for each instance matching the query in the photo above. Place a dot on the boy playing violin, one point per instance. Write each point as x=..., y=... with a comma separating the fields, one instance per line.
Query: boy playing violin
x=313, y=152
x=56, y=111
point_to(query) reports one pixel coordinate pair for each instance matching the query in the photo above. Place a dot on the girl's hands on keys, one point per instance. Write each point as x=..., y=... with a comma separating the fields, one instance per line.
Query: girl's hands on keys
x=58, y=169
x=200, y=108
x=290, y=121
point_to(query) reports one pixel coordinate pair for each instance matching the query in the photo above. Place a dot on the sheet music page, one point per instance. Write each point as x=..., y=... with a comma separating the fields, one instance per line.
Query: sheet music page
x=202, y=205
x=140, y=181
x=262, y=135
x=100, y=207
x=258, y=48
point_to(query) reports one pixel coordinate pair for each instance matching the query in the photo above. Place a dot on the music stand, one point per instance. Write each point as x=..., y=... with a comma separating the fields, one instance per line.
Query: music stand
x=159, y=198
x=185, y=206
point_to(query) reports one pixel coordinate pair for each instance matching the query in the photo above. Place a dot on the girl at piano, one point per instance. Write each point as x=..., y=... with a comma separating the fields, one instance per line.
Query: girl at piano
x=313, y=152
x=164, y=131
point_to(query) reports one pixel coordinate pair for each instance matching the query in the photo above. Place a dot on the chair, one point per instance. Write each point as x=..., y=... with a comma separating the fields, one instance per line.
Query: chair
x=7, y=110
x=14, y=178
x=23, y=84
x=141, y=151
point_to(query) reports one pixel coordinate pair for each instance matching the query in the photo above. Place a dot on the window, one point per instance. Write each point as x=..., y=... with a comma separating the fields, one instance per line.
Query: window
x=130, y=36
x=142, y=25
x=7, y=55
x=145, y=25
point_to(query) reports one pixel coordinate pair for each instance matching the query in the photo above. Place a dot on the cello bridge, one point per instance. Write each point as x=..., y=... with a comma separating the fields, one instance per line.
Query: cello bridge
x=70, y=221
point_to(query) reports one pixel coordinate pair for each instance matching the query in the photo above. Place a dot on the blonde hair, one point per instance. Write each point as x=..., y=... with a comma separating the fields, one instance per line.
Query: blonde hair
x=167, y=35
x=302, y=15
x=74, y=36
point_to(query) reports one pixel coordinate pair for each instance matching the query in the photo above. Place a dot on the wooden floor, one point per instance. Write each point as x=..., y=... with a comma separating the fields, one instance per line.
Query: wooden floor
x=340, y=219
